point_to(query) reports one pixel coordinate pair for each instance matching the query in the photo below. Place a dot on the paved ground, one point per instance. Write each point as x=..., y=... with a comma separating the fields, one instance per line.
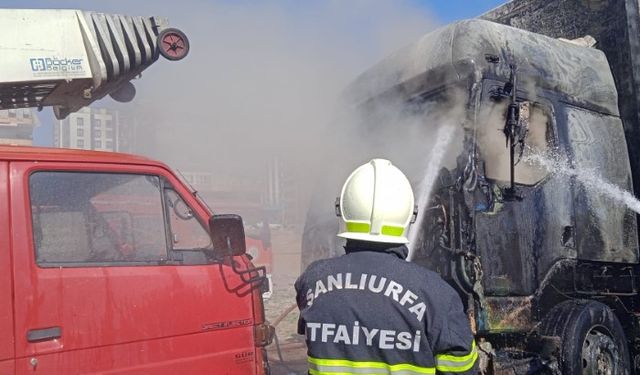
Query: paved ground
x=290, y=359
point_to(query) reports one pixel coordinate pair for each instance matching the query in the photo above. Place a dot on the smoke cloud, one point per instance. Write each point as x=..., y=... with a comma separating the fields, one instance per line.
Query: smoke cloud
x=263, y=79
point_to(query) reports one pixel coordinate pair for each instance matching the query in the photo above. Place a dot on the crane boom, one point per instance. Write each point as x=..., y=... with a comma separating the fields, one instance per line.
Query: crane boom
x=69, y=58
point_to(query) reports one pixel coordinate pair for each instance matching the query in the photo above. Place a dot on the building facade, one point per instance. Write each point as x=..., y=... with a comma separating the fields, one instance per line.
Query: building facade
x=17, y=125
x=95, y=129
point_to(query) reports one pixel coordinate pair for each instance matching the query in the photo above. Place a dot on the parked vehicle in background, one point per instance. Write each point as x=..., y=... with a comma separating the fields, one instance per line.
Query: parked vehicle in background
x=108, y=263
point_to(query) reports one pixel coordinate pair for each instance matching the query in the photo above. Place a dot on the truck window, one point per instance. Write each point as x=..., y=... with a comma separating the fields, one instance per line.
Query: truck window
x=86, y=218
x=186, y=231
x=492, y=142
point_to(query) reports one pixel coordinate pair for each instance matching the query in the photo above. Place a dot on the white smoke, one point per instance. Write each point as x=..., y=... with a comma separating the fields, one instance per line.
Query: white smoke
x=590, y=178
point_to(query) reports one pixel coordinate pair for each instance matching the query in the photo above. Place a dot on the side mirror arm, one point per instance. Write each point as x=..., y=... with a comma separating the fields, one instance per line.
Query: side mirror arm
x=260, y=272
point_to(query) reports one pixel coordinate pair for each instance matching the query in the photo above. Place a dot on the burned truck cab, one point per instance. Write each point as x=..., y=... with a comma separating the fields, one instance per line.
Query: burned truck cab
x=521, y=215
x=556, y=226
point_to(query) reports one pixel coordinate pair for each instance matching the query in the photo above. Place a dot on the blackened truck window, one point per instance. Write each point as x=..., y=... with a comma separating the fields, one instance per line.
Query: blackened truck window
x=82, y=218
x=536, y=119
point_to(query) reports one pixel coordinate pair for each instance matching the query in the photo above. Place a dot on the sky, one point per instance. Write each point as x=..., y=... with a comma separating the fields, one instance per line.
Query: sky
x=452, y=10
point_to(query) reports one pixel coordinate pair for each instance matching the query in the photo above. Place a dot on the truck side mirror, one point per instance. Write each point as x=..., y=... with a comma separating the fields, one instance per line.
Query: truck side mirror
x=227, y=234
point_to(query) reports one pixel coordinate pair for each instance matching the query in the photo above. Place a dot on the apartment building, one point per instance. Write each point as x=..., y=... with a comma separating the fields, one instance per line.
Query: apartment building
x=17, y=125
x=91, y=128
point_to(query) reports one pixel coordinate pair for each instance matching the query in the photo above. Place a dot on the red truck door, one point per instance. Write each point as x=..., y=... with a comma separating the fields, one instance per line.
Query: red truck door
x=6, y=294
x=106, y=279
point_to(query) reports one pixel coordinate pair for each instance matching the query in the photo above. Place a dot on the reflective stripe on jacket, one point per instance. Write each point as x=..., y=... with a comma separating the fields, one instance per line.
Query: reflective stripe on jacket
x=371, y=312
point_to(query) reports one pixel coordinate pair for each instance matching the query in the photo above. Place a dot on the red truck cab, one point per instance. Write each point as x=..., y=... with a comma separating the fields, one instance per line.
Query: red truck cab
x=107, y=266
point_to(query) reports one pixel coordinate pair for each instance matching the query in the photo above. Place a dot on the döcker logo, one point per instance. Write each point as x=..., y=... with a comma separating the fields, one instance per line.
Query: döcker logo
x=55, y=65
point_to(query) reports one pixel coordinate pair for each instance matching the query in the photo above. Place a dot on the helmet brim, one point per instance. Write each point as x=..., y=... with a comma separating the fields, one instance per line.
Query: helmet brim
x=381, y=238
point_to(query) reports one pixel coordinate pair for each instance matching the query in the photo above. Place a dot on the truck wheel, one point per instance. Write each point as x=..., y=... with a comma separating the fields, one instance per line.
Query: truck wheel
x=173, y=44
x=591, y=338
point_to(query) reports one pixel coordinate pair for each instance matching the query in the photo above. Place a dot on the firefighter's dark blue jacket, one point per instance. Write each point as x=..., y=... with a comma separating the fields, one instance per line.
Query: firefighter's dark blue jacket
x=371, y=312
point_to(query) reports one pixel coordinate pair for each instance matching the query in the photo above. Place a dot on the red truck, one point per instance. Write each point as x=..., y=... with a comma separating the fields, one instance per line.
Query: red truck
x=110, y=264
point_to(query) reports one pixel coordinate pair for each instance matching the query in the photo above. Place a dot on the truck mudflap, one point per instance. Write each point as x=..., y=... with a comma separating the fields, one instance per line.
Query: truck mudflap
x=539, y=355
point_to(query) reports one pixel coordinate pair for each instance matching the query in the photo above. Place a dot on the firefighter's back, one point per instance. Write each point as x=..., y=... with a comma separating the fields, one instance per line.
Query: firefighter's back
x=370, y=309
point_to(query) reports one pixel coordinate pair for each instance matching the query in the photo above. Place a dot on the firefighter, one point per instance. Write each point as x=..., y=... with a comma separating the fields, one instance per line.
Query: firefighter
x=370, y=311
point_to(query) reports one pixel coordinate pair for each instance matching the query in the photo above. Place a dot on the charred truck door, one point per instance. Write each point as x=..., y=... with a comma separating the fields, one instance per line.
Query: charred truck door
x=605, y=230
x=520, y=231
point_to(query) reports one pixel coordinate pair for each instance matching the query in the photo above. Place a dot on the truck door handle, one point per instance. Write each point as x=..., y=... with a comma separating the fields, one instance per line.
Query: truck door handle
x=44, y=334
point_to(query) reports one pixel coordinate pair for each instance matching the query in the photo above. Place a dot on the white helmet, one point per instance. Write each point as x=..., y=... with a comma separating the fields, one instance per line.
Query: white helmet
x=376, y=204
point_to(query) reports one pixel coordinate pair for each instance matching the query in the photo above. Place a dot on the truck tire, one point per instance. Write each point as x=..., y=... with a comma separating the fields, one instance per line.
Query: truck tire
x=591, y=338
